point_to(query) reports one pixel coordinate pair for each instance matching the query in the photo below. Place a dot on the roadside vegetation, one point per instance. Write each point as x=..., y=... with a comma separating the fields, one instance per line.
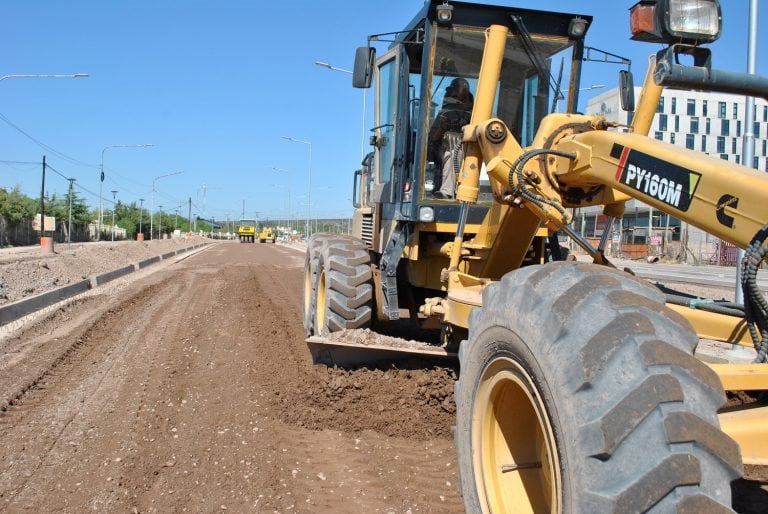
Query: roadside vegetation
x=18, y=210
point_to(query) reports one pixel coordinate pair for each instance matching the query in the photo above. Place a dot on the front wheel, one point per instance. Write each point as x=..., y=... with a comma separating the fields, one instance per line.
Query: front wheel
x=314, y=246
x=579, y=393
x=343, y=289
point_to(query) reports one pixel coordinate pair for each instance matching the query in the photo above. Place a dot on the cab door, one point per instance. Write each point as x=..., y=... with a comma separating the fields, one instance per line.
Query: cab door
x=389, y=141
x=385, y=126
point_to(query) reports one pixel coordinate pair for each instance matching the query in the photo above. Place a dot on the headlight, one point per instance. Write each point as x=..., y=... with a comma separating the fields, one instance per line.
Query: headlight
x=426, y=214
x=697, y=18
x=676, y=21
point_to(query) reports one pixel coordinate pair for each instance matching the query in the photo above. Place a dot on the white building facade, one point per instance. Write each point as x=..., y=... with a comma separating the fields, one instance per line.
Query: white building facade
x=712, y=123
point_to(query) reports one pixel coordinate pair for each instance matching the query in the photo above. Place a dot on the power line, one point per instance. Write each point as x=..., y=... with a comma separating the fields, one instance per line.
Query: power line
x=78, y=186
x=72, y=160
x=21, y=162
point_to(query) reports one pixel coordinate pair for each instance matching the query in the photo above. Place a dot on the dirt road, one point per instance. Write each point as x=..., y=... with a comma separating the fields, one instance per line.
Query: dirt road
x=191, y=389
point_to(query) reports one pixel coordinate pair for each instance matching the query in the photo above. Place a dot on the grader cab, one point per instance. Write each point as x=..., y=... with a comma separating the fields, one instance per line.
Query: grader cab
x=581, y=388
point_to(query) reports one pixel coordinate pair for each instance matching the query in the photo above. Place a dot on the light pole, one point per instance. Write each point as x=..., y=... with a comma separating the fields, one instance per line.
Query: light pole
x=141, y=213
x=362, y=132
x=288, y=187
x=71, y=180
x=160, y=224
x=748, y=141
x=176, y=220
x=288, y=212
x=46, y=76
x=101, y=180
x=152, y=200
x=309, y=179
x=561, y=96
x=114, y=208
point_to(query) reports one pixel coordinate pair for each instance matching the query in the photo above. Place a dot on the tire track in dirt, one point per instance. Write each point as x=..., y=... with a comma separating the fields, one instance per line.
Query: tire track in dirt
x=75, y=390
x=180, y=397
x=376, y=422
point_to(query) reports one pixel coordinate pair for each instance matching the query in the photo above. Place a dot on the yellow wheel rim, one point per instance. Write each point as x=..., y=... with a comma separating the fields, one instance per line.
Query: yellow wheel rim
x=320, y=307
x=514, y=451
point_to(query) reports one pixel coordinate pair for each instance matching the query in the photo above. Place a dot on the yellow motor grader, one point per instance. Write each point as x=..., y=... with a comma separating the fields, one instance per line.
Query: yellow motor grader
x=267, y=234
x=581, y=387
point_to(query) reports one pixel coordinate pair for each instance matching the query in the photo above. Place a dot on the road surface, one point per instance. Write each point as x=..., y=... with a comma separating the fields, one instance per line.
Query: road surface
x=190, y=388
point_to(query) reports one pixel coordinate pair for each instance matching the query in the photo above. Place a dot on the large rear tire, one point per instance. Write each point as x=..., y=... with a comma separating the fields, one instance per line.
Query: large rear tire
x=314, y=246
x=343, y=290
x=579, y=393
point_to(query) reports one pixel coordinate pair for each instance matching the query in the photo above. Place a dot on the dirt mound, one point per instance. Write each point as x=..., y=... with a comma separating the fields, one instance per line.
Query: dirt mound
x=25, y=271
x=413, y=399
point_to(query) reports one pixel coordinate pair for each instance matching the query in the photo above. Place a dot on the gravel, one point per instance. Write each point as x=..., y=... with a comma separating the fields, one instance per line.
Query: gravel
x=25, y=271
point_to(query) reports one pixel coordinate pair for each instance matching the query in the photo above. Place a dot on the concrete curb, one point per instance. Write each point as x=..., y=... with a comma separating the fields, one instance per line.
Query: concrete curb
x=13, y=311
x=146, y=262
x=16, y=310
x=97, y=280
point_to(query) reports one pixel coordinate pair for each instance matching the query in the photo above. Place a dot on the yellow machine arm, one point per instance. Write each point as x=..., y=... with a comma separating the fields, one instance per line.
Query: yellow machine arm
x=575, y=161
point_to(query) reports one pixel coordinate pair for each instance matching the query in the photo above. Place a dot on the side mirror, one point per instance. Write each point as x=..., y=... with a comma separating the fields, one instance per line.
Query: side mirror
x=362, y=73
x=627, y=90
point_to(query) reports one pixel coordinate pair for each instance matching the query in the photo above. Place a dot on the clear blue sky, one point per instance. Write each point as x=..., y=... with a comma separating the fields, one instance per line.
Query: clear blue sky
x=215, y=84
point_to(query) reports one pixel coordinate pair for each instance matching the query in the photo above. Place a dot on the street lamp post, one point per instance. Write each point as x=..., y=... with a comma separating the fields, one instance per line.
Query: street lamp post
x=152, y=200
x=560, y=96
x=309, y=179
x=362, y=132
x=71, y=180
x=141, y=213
x=114, y=208
x=288, y=187
x=46, y=76
x=160, y=224
x=101, y=180
x=288, y=211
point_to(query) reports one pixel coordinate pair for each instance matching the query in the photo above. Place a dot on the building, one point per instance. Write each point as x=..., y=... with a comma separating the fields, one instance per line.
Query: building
x=712, y=123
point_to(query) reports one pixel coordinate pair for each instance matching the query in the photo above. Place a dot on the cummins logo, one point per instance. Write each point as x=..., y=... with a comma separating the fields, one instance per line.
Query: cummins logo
x=666, y=182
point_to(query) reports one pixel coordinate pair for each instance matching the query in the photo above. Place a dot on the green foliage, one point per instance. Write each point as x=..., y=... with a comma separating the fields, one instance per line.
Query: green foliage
x=16, y=206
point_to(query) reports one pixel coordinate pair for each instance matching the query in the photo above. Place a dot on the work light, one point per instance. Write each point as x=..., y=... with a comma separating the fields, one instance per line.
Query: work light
x=444, y=13
x=676, y=21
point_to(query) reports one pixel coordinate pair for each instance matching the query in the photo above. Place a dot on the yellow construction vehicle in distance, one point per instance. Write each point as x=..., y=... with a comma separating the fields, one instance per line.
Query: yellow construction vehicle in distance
x=246, y=231
x=582, y=388
x=267, y=234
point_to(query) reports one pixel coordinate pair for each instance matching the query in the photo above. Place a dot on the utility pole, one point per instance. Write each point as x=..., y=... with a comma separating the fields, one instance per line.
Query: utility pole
x=42, y=203
x=141, y=213
x=189, y=217
x=205, y=194
x=160, y=225
x=114, y=207
x=69, y=225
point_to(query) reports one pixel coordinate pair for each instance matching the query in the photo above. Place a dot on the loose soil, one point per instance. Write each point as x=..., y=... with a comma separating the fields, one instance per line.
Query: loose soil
x=26, y=271
x=191, y=389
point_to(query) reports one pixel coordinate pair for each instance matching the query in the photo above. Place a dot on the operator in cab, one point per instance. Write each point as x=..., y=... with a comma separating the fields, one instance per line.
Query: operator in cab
x=445, y=135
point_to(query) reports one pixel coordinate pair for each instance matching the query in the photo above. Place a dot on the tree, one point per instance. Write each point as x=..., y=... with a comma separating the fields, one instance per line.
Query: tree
x=16, y=206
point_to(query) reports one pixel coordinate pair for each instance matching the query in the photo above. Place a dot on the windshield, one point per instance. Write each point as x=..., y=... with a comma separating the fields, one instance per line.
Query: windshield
x=524, y=95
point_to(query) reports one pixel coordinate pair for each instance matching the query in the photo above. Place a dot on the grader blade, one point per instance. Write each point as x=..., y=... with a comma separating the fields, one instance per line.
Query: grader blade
x=349, y=353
